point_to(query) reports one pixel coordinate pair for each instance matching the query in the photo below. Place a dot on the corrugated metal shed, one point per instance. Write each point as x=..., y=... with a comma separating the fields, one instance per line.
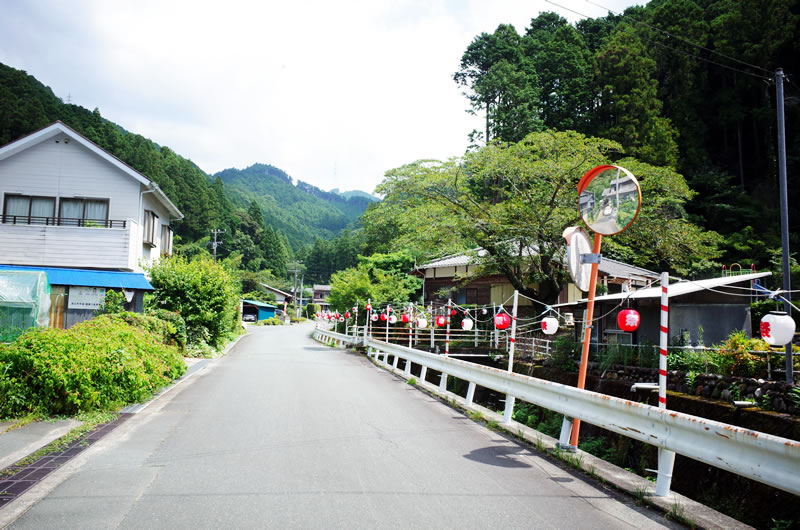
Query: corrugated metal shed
x=89, y=278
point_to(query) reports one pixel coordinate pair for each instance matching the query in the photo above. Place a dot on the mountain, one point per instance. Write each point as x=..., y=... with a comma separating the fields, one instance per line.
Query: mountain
x=300, y=211
x=356, y=193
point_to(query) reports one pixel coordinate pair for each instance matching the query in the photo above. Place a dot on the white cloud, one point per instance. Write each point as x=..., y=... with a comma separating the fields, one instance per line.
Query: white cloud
x=334, y=93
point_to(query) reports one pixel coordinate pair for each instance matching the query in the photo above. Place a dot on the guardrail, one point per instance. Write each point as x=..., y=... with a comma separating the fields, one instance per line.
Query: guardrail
x=763, y=457
x=336, y=339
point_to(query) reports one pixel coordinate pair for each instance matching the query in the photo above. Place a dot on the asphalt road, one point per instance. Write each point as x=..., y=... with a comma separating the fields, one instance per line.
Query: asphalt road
x=286, y=433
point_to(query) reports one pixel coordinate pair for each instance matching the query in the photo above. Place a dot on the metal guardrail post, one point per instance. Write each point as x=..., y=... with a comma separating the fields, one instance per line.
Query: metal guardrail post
x=470, y=394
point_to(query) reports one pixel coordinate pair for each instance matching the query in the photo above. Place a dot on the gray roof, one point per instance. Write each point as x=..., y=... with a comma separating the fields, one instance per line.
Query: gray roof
x=608, y=266
x=619, y=269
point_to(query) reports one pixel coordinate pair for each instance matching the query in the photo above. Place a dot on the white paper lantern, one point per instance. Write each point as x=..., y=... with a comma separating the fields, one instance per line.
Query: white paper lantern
x=466, y=324
x=374, y=317
x=549, y=325
x=392, y=319
x=422, y=323
x=777, y=328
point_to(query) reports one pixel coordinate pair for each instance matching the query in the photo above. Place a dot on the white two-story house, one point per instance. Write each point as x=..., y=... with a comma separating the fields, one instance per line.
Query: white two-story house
x=82, y=215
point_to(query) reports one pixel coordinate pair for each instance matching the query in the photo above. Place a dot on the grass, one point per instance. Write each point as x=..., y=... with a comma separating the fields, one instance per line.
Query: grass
x=411, y=381
x=678, y=514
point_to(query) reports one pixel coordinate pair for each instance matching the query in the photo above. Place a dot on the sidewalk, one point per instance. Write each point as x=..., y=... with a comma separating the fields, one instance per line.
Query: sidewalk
x=17, y=443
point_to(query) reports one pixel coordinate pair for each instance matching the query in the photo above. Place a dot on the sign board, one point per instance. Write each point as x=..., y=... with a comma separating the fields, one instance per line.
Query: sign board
x=86, y=297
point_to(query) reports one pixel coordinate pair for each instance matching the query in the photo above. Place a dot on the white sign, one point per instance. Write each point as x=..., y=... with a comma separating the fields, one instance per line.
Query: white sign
x=86, y=297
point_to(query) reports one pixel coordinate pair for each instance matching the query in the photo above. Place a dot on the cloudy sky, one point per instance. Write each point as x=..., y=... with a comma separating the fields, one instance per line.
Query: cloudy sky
x=334, y=93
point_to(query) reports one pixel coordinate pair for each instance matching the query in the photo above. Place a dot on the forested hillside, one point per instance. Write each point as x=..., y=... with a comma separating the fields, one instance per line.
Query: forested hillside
x=682, y=83
x=259, y=211
x=302, y=212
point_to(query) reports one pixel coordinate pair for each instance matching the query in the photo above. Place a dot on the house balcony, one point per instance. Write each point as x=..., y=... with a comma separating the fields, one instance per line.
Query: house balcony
x=63, y=242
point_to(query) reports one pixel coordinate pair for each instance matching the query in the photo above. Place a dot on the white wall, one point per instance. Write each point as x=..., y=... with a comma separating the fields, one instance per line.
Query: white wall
x=60, y=167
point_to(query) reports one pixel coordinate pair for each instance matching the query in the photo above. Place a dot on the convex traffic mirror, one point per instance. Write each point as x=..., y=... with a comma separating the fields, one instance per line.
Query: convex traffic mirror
x=609, y=199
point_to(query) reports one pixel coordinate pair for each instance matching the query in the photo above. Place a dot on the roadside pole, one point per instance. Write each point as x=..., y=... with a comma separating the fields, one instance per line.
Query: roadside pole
x=509, y=410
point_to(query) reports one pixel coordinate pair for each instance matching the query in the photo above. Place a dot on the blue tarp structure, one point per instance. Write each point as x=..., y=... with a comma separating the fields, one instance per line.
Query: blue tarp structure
x=265, y=311
x=89, y=278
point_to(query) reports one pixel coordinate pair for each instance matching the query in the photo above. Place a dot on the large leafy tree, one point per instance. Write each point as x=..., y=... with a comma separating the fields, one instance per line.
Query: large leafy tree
x=381, y=278
x=514, y=201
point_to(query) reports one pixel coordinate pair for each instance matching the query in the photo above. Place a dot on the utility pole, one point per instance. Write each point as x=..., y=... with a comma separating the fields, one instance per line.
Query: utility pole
x=784, y=197
x=294, y=291
x=214, y=244
x=300, y=305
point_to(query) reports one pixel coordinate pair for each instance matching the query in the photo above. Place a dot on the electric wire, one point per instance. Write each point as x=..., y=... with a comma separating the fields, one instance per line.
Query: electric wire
x=682, y=39
x=680, y=51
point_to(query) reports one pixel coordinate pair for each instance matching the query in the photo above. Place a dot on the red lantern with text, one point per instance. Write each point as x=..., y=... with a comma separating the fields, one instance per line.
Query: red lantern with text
x=441, y=321
x=777, y=328
x=369, y=307
x=383, y=317
x=347, y=314
x=453, y=313
x=318, y=315
x=628, y=320
x=502, y=321
x=404, y=318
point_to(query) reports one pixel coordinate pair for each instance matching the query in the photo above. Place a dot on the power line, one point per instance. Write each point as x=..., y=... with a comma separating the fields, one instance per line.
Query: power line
x=671, y=48
x=684, y=40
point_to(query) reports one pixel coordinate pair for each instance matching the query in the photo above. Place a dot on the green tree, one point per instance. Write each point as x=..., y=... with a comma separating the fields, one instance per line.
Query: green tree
x=629, y=110
x=502, y=83
x=564, y=65
x=514, y=201
x=203, y=292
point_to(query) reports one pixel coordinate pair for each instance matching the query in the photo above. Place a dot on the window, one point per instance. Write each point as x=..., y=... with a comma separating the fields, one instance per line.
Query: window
x=83, y=212
x=150, y=224
x=166, y=240
x=25, y=209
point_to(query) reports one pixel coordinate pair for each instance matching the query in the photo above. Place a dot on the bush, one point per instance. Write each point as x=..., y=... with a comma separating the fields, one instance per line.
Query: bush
x=565, y=354
x=200, y=291
x=734, y=357
x=97, y=364
x=113, y=302
x=311, y=309
x=271, y=321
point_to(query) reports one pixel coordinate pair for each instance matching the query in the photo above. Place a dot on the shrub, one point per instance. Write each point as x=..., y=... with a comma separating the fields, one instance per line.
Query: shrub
x=271, y=321
x=564, y=355
x=97, y=364
x=311, y=309
x=178, y=330
x=202, y=292
x=734, y=357
x=113, y=302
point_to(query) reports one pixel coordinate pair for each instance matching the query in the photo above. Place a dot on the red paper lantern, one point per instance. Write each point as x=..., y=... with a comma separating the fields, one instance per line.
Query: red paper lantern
x=347, y=314
x=628, y=320
x=389, y=309
x=453, y=312
x=441, y=321
x=318, y=315
x=369, y=307
x=502, y=321
x=383, y=317
x=404, y=318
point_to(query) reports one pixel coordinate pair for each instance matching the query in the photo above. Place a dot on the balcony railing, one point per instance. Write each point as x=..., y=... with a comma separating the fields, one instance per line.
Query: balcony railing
x=62, y=221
